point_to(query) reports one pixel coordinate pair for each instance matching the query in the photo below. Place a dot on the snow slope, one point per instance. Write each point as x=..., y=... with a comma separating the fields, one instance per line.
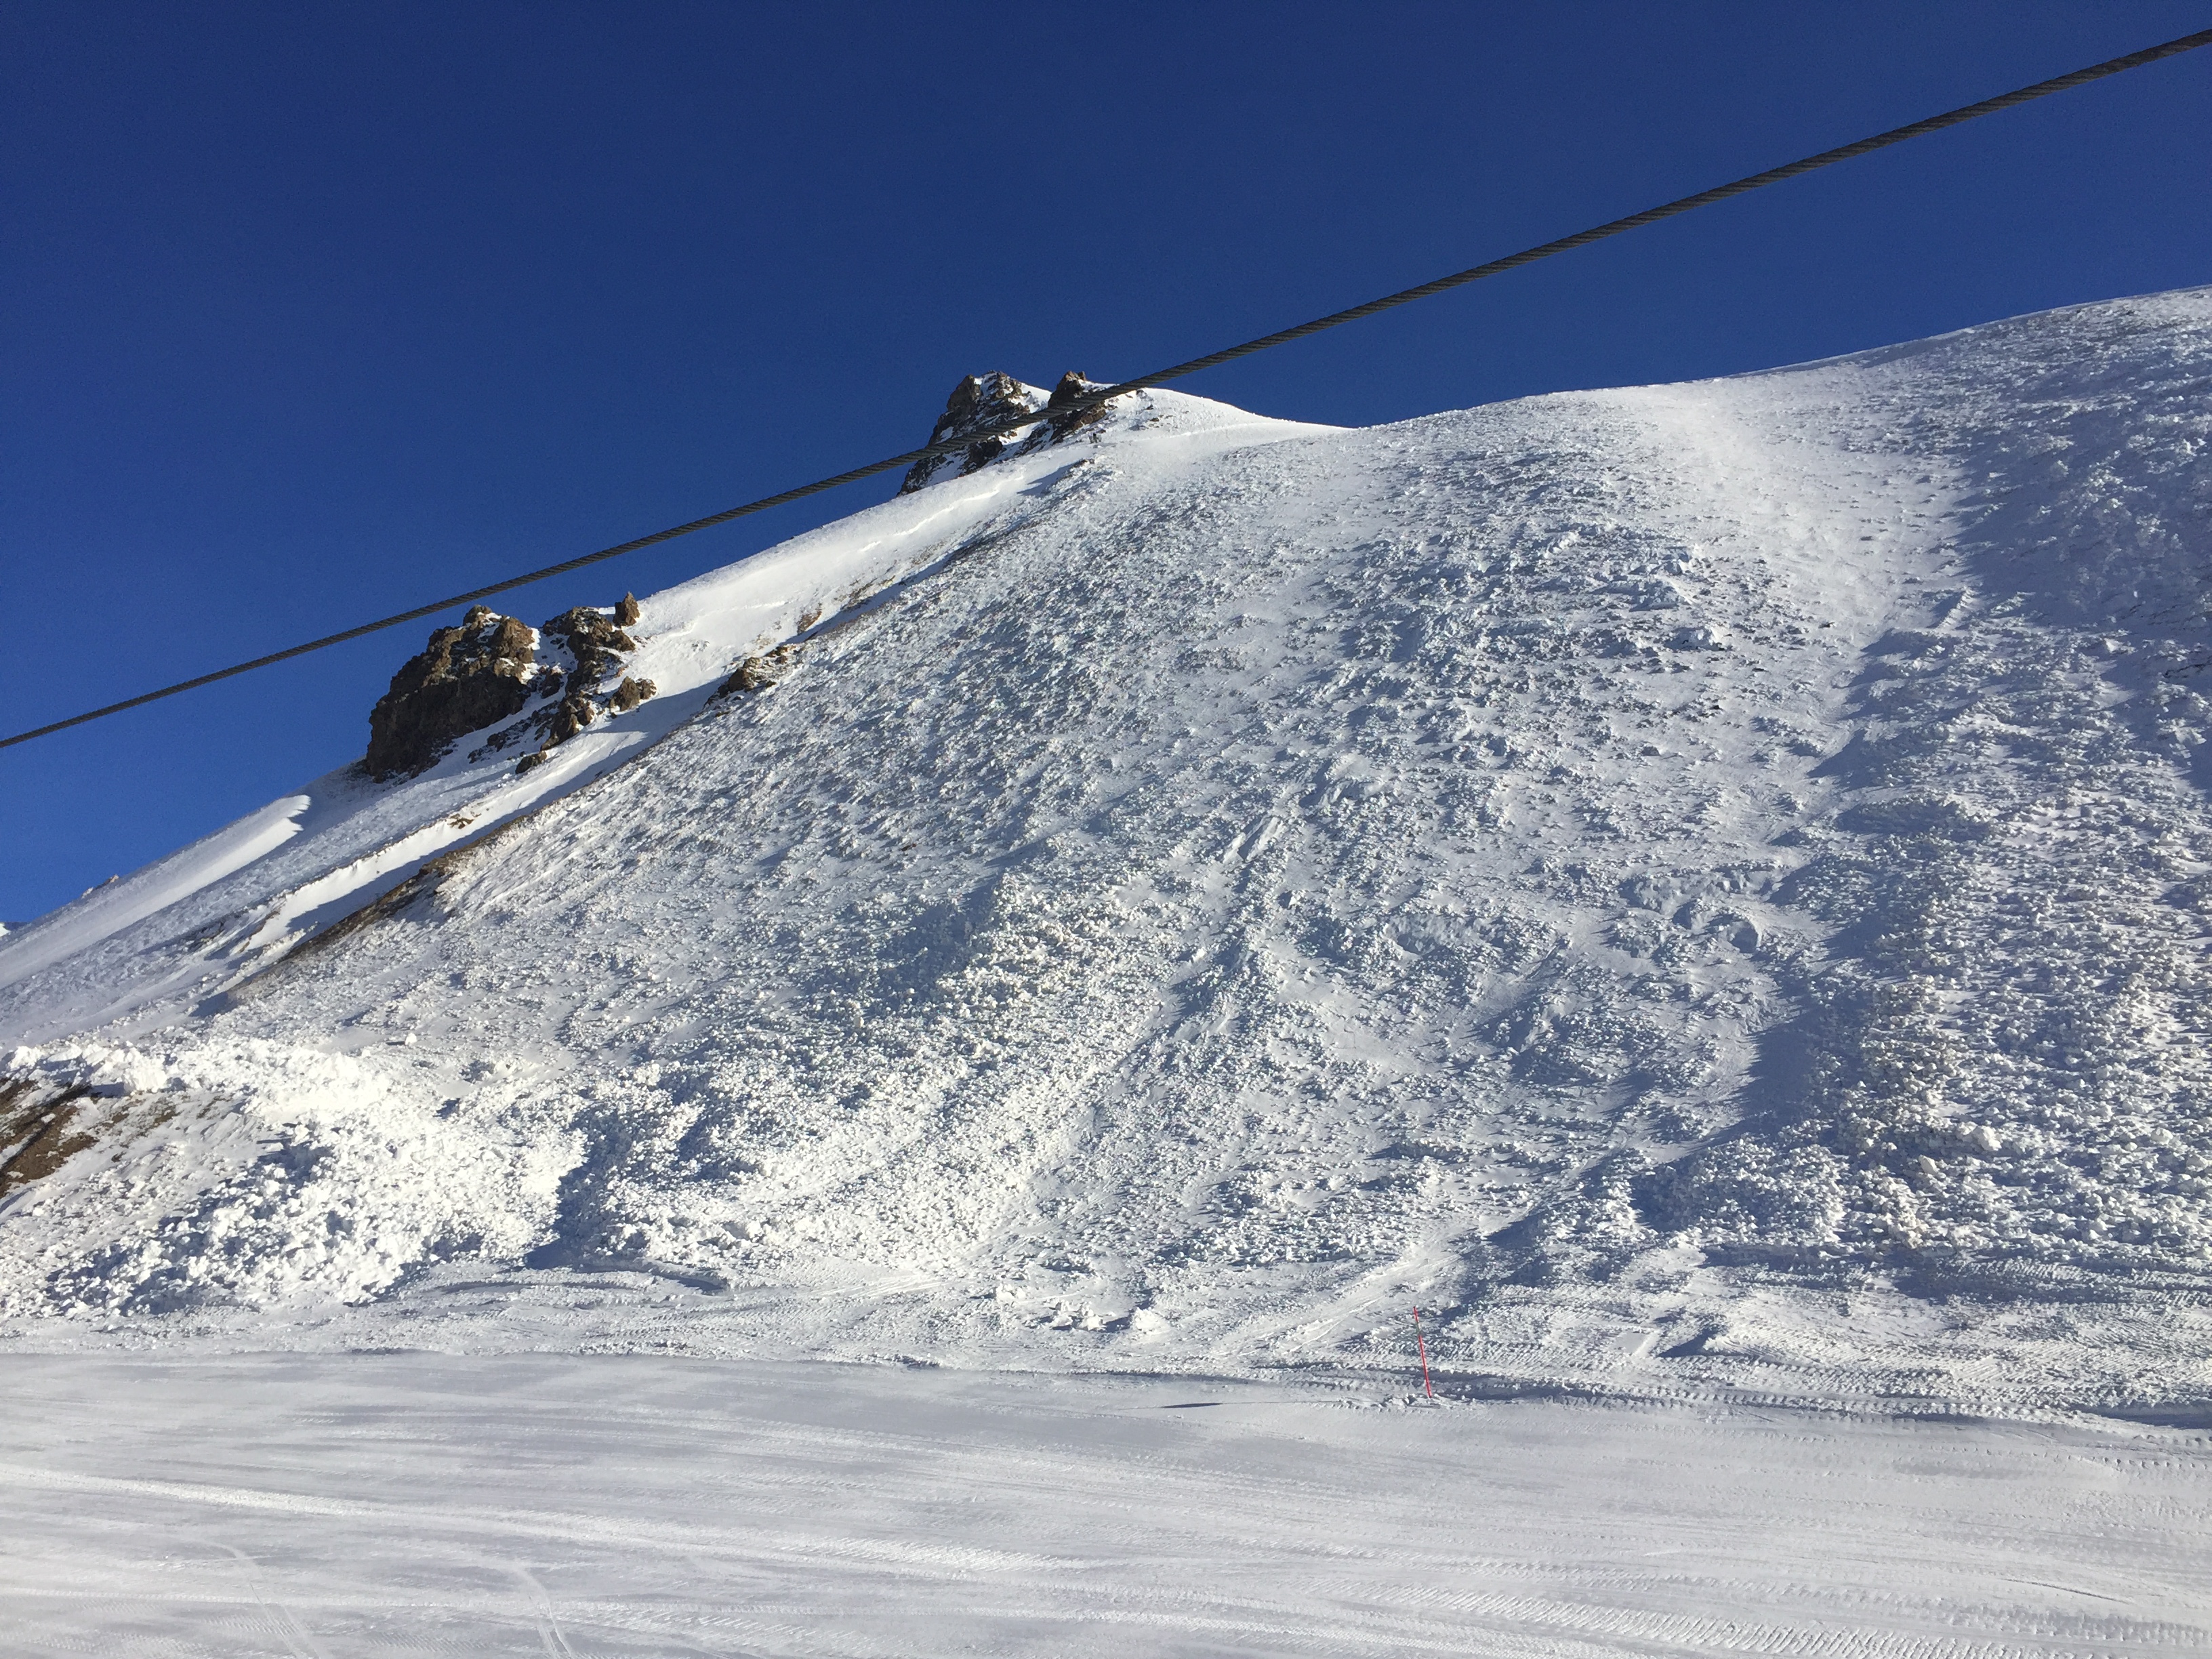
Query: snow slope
x=344, y=841
x=1698, y=886
x=373, y=1505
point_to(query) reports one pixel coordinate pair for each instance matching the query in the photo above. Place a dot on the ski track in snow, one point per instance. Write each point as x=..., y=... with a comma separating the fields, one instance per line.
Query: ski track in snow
x=1701, y=887
x=532, y=1504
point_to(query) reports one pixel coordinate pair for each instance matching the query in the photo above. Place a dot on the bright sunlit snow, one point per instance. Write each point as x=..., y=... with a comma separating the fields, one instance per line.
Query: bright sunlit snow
x=1700, y=887
x=406, y=1504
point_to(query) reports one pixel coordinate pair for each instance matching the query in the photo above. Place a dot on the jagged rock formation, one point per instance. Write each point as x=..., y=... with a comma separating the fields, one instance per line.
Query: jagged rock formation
x=976, y=402
x=483, y=673
x=594, y=647
x=487, y=671
x=466, y=678
x=1073, y=385
x=981, y=399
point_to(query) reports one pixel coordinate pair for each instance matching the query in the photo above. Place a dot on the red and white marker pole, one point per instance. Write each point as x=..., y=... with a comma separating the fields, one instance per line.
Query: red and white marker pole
x=1422, y=1348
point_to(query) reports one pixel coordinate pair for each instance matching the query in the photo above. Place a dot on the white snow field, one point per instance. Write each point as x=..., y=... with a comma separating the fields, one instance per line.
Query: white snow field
x=417, y=1505
x=1701, y=888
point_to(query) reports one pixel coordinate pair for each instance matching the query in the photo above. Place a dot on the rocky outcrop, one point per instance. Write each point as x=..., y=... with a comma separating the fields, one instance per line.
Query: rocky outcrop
x=466, y=678
x=758, y=673
x=490, y=669
x=595, y=647
x=1073, y=385
x=981, y=399
x=38, y=1129
x=975, y=403
x=593, y=643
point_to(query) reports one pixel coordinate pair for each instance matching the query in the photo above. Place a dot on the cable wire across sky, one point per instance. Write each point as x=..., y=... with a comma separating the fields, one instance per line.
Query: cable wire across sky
x=1213, y=358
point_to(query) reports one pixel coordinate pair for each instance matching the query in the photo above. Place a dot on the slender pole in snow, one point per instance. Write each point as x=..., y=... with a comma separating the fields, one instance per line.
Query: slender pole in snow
x=1422, y=1348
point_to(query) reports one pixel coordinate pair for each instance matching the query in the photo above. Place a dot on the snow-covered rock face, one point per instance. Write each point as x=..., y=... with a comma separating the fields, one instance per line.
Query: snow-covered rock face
x=981, y=399
x=977, y=402
x=1703, y=881
x=476, y=678
x=462, y=680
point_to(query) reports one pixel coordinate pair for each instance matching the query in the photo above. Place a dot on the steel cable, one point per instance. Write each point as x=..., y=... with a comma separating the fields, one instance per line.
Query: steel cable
x=1077, y=403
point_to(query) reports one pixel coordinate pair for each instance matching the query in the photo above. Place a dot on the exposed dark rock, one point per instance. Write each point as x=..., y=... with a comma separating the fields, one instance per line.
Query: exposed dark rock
x=593, y=641
x=595, y=647
x=750, y=675
x=39, y=1130
x=489, y=669
x=571, y=715
x=758, y=673
x=466, y=678
x=976, y=402
x=981, y=399
x=1073, y=385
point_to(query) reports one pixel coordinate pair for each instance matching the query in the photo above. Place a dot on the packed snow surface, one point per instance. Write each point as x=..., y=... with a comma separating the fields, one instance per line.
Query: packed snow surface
x=409, y=1504
x=1698, y=887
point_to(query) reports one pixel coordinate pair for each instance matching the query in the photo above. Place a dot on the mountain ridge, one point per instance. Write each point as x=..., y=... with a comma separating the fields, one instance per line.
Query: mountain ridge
x=1700, y=885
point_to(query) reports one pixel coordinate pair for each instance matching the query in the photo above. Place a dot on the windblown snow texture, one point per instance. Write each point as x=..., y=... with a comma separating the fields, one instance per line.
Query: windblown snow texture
x=1696, y=883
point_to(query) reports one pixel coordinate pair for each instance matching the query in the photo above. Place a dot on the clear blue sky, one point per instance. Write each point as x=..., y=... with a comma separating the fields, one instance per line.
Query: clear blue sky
x=315, y=313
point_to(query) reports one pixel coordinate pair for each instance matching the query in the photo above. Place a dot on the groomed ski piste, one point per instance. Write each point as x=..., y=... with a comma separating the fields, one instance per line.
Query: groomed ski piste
x=1700, y=889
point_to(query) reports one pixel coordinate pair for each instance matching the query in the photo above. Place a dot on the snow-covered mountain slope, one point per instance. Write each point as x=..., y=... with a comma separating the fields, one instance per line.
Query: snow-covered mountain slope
x=288, y=871
x=393, y=1506
x=1695, y=883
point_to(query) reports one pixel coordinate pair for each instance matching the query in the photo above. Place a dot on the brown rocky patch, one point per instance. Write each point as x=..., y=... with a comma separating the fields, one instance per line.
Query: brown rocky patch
x=981, y=399
x=38, y=1129
x=596, y=646
x=489, y=669
x=465, y=679
x=977, y=401
x=592, y=638
x=1073, y=385
x=758, y=673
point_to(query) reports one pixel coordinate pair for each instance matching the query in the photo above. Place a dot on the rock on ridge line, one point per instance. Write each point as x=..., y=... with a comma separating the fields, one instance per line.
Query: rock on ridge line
x=981, y=399
x=489, y=669
x=483, y=673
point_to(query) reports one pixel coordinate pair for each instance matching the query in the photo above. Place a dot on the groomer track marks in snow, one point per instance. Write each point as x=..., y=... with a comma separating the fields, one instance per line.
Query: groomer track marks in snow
x=1289, y=1520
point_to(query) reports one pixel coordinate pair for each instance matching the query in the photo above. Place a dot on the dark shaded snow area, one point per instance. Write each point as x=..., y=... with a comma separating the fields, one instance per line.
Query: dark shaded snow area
x=1697, y=885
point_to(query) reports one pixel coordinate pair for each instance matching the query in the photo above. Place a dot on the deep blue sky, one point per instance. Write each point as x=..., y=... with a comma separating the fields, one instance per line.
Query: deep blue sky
x=314, y=312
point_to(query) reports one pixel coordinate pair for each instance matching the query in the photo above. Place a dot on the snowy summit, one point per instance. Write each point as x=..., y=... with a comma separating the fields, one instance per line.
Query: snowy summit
x=1698, y=886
